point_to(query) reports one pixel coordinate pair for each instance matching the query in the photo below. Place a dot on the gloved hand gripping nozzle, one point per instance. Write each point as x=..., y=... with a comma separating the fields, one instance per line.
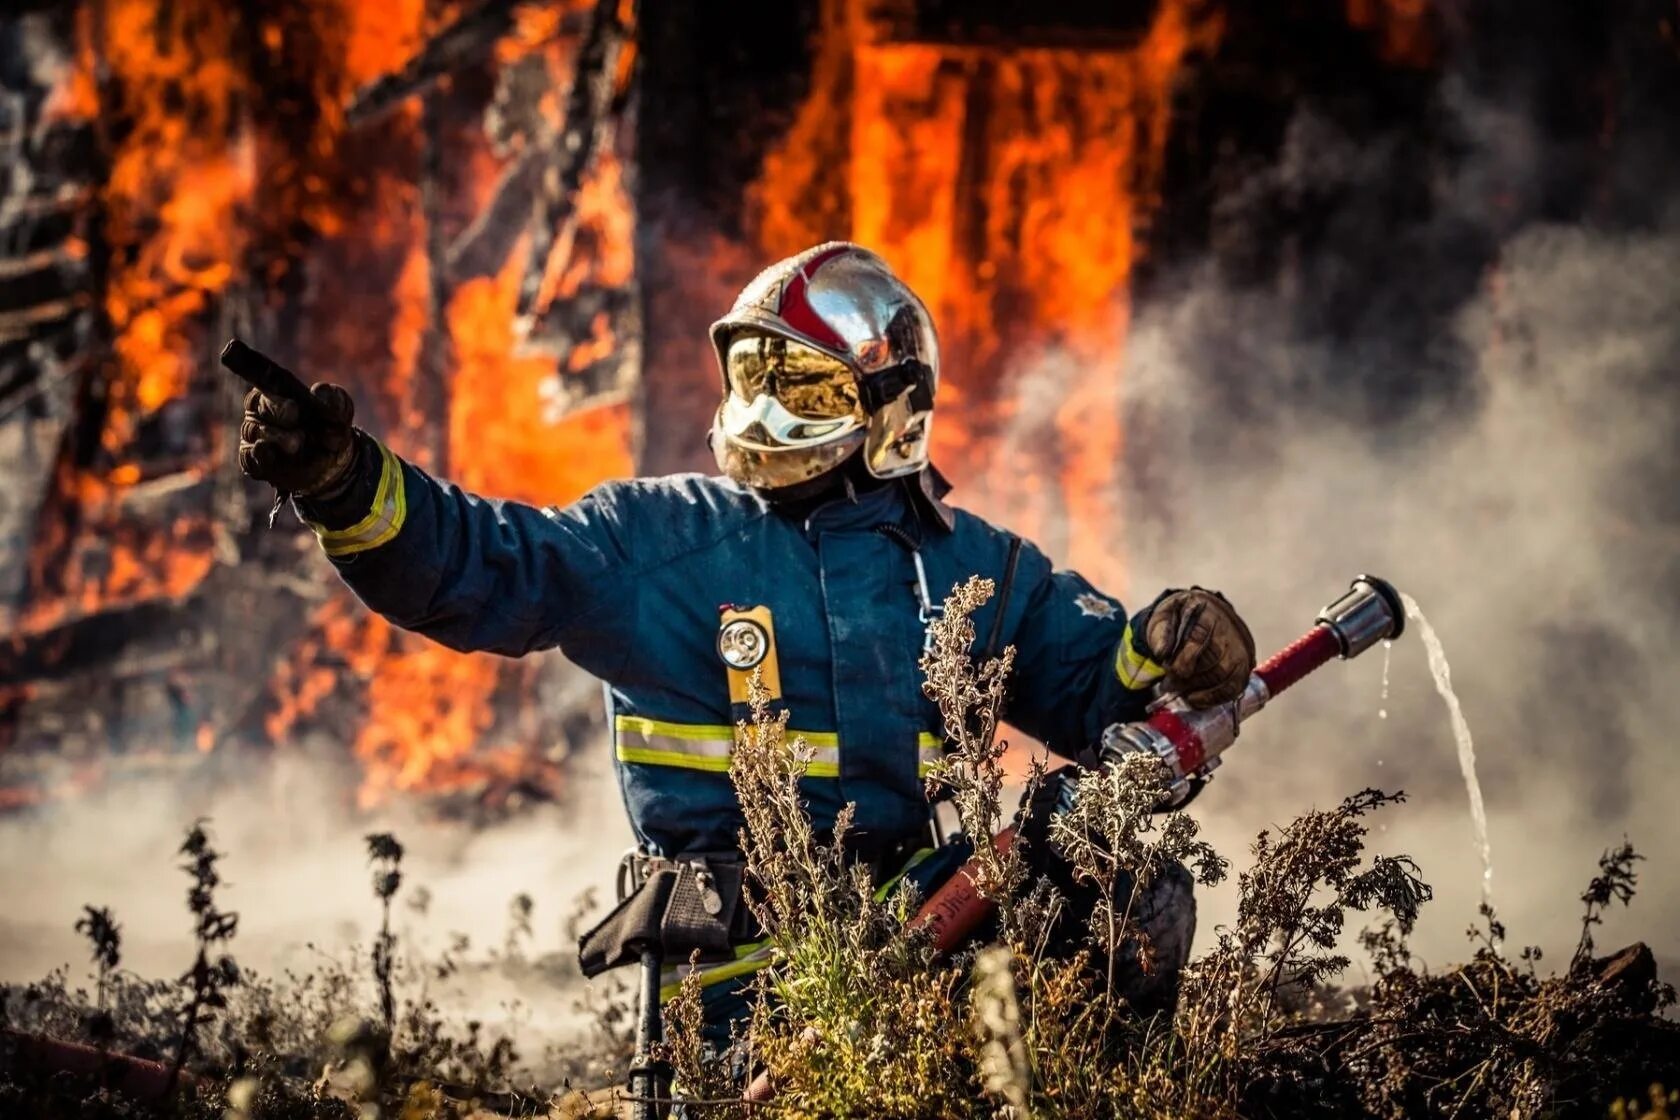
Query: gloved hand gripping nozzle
x=1189, y=742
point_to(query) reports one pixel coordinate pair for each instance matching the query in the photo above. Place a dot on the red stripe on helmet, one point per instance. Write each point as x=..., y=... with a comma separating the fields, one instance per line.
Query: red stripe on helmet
x=796, y=310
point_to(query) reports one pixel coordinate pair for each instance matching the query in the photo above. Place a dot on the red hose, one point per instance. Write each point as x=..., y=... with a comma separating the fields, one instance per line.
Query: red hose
x=138, y=1078
x=957, y=909
x=1306, y=653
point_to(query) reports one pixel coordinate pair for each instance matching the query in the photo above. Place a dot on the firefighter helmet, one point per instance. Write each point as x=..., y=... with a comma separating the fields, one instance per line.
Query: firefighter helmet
x=824, y=353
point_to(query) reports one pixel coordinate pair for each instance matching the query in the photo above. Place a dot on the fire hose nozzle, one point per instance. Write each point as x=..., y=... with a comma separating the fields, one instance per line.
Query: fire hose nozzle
x=1189, y=742
x=1369, y=613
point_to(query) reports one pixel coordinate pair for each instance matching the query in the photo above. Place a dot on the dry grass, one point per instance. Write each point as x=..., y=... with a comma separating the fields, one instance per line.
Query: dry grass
x=857, y=1017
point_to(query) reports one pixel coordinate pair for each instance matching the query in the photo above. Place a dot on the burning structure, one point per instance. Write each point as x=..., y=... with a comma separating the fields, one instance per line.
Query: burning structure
x=506, y=225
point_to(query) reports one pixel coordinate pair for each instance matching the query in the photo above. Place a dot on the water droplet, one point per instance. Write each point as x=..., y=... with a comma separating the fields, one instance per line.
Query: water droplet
x=1382, y=713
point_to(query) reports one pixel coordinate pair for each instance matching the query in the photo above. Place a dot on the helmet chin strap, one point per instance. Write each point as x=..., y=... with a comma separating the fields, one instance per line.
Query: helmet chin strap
x=847, y=480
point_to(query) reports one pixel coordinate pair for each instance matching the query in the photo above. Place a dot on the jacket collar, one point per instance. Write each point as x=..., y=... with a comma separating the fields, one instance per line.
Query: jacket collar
x=852, y=510
x=918, y=498
x=927, y=493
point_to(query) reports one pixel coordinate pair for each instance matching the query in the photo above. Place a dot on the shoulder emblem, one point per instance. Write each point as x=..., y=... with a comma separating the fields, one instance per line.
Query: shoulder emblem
x=1092, y=605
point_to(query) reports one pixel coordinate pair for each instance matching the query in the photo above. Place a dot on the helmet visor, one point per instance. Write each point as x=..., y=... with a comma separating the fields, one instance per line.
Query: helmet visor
x=806, y=382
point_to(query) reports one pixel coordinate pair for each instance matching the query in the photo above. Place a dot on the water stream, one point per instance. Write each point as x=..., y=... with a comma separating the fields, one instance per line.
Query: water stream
x=1461, y=733
x=1388, y=653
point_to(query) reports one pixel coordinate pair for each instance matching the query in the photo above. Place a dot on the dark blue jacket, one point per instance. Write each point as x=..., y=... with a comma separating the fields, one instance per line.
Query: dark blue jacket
x=628, y=583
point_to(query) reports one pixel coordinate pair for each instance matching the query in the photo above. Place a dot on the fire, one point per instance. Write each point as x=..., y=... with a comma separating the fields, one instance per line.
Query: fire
x=179, y=178
x=1007, y=186
x=604, y=227
x=501, y=441
x=124, y=561
x=430, y=715
x=1011, y=184
x=426, y=707
x=211, y=196
x=177, y=183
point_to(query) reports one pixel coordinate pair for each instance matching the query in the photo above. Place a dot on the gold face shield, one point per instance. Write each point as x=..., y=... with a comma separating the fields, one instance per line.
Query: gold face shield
x=790, y=412
x=807, y=383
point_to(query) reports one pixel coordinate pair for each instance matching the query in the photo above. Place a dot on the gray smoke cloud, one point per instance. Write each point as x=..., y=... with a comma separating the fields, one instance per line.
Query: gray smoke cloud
x=1519, y=515
x=1519, y=476
x=296, y=871
x=1521, y=485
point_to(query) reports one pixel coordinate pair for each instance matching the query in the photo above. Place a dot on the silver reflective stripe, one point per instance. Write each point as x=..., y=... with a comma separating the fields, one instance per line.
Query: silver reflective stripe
x=692, y=746
x=705, y=746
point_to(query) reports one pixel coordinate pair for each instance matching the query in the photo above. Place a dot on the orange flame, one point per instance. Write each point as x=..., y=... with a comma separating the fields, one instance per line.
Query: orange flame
x=120, y=560
x=430, y=716
x=500, y=440
x=178, y=181
x=1006, y=186
x=196, y=183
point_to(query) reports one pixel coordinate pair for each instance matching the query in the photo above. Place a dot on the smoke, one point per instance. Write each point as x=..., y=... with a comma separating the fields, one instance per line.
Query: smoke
x=1517, y=470
x=296, y=871
x=1469, y=400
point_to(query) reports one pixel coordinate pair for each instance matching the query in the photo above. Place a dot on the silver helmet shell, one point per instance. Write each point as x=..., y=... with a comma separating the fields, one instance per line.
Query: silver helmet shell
x=843, y=300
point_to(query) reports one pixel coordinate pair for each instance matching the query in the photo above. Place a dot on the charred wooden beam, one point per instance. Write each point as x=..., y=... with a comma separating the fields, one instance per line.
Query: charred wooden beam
x=97, y=639
x=37, y=222
x=710, y=102
x=431, y=390
x=1008, y=24
x=49, y=271
x=588, y=121
x=483, y=247
x=468, y=40
x=19, y=325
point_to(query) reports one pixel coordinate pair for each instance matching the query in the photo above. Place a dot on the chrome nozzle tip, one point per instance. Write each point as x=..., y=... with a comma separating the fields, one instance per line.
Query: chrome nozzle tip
x=1396, y=606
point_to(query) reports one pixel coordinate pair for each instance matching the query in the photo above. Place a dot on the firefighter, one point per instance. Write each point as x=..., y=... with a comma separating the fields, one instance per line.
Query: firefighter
x=818, y=557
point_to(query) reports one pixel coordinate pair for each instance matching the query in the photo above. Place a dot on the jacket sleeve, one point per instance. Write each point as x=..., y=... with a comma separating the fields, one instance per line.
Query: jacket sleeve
x=1078, y=666
x=479, y=574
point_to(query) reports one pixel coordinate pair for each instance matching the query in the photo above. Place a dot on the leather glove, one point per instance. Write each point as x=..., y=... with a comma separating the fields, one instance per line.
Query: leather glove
x=278, y=447
x=1202, y=643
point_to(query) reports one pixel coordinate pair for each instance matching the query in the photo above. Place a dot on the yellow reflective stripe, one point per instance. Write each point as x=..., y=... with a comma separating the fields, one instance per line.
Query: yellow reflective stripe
x=688, y=731
x=692, y=746
x=929, y=750
x=649, y=756
x=383, y=522
x=749, y=959
x=706, y=746
x=1136, y=671
x=885, y=888
x=825, y=752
